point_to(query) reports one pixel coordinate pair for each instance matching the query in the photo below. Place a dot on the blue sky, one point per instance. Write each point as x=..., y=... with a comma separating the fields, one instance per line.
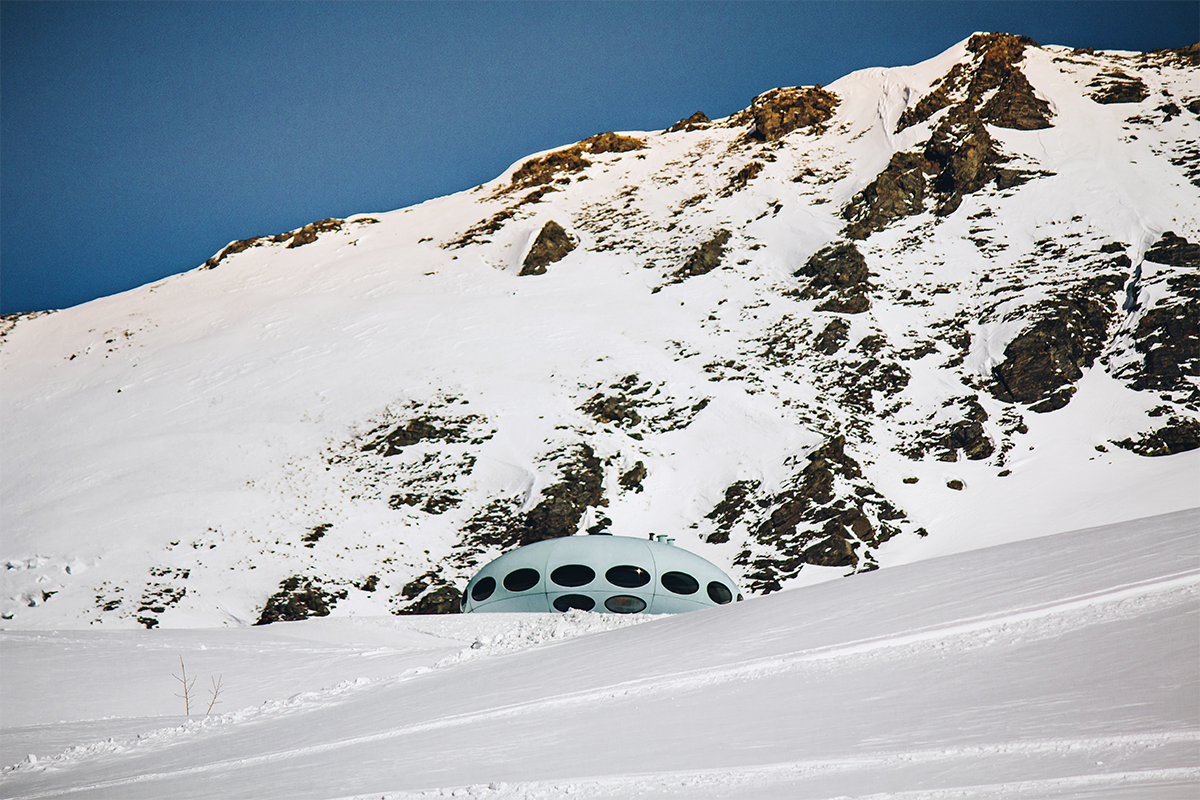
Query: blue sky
x=137, y=139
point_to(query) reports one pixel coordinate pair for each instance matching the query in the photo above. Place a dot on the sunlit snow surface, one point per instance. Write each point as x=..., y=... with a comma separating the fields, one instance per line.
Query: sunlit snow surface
x=1058, y=667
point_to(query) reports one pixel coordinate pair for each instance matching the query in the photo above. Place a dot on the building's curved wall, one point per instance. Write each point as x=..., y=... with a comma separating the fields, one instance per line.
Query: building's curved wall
x=612, y=587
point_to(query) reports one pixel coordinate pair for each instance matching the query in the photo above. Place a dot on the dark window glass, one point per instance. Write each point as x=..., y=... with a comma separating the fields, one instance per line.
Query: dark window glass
x=573, y=575
x=462, y=602
x=719, y=593
x=740, y=598
x=625, y=604
x=521, y=579
x=483, y=589
x=627, y=576
x=680, y=583
x=568, y=601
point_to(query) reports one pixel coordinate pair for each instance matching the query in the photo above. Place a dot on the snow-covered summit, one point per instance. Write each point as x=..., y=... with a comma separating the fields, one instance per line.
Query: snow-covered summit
x=920, y=310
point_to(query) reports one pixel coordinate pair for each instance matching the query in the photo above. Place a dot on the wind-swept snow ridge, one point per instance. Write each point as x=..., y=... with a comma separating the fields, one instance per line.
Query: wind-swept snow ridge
x=918, y=311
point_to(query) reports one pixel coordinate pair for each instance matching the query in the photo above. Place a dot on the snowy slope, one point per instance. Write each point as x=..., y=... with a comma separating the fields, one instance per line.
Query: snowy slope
x=1062, y=666
x=369, y=408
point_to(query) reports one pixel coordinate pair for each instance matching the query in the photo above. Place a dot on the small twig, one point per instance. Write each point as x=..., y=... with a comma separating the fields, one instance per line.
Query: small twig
x=187, y=688
x=216, y=691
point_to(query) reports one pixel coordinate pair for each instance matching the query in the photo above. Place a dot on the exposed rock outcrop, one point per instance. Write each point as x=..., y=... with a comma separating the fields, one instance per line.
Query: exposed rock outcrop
x=739, y=179
x=837, y=266
x=780, y=111
x=826, y=515
x=1045, y=358
x=610, y=142
x=1179, y=435
x=832, y=337
x=547, y=168
x=552, y=244
x=898, y=191
x=960, y=156
x=542, y=170
x=705, y=258
x=297, y=238
x=839, y=274
x=696, y=121
x=1014, y=105
x=632, y=479
x=1117, y=87
x=300, y=598
x=563, y=504
x=1167, y=334
x=444, y=599
x=309, y=233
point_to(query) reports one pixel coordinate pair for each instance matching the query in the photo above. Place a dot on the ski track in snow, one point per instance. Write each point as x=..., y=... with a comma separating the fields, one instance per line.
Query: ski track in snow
x=777, y=780
x=1035, y=621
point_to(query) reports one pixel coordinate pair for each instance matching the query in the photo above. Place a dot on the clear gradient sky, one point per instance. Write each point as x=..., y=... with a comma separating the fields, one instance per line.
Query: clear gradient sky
x=137, y=139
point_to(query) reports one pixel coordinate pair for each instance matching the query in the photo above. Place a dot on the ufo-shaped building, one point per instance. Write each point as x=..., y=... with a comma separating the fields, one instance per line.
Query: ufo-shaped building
x=608, y=574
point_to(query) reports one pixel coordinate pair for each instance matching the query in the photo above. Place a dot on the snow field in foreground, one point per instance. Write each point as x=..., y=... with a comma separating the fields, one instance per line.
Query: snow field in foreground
x=1064, y=666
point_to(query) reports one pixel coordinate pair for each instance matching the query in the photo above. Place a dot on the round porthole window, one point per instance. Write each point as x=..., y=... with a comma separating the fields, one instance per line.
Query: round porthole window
x=719, y=593
x=521, y=579
x=625, y=604
x=627, y=576
x=570, y=601
x=679, y=583
x=483, y=589
x=573, y=575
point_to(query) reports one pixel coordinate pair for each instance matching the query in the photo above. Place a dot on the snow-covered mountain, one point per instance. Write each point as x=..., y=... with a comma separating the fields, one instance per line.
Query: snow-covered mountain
x=919, y=311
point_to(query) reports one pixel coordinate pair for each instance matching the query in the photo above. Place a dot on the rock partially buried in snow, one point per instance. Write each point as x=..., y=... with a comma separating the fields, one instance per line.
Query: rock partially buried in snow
x=551, y=245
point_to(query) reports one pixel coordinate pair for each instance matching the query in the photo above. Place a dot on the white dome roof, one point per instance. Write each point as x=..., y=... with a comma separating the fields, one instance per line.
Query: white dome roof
x=613, y=574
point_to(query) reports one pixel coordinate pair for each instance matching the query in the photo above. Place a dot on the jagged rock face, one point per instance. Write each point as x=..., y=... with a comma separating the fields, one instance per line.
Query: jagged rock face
x=831, y=339
x=781, y=111
x=1167, y=334
x=1190, y=54
x=1117, y=87
x=960, y=152
x=309, y=233
x=1016, y=106
x=826, y=515
x=1045, y=357
x=563, y=504
x=1175, y=251
x=559, y=512
x=552, y=244
x=632, y=480
x=960, y=156
x=898, y=191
